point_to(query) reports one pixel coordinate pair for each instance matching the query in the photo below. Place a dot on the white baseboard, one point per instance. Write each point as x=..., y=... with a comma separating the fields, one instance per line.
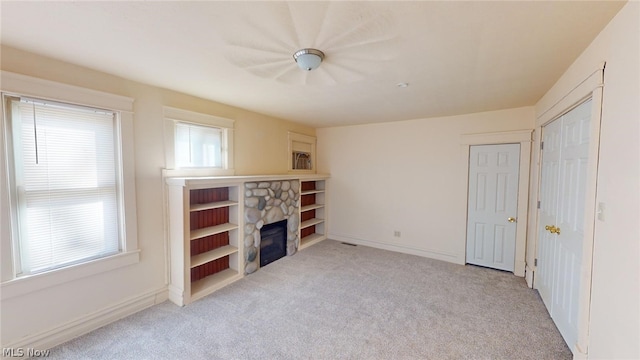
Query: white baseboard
x=176, y=295
x=528, y=275
x=73, y=329
x=438, y=255
x=578, y=354
x=520, y=268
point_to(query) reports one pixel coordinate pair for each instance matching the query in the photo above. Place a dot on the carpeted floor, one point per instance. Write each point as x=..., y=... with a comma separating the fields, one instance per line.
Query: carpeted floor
x=334, y=301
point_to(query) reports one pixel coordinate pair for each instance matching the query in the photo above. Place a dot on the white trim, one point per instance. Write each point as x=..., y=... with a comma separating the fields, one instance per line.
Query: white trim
x=78, y=327
x=174, y=115
x=27, y=284
x=586, y=267
x=591, y=87
x=51, y=90
x=432, y=254
x=575, y=96
x=221, y=181
x=7, y=229
x=197, y=172
x=505, y=137
x=522, y=137
x=528, y=275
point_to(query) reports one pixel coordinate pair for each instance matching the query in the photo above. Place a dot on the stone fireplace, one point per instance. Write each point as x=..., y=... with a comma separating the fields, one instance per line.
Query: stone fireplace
x=267, y=203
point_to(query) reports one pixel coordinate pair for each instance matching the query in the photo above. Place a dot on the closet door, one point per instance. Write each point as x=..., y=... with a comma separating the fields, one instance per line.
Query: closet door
x=562, y=202
x=570, y=219
x=549, y=185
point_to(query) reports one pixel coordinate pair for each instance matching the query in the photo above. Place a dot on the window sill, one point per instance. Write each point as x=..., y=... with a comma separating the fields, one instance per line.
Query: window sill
x=27, y=284
x=197, y=172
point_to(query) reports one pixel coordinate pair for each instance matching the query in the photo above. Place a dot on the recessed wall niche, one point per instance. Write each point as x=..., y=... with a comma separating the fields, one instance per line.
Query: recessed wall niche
x=302, y=153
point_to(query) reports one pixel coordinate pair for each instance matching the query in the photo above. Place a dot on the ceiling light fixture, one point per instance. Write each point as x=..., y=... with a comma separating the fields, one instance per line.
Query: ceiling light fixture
x=308, y=59
x=402, y=85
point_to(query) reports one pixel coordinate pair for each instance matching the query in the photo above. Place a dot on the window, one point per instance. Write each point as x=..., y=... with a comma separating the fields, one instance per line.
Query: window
x=64, y=191
x=65, y=183
x=197, y=144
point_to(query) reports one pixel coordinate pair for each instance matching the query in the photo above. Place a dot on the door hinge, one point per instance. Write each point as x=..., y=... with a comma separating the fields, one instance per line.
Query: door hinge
x=535, y=262
x=542, y=145
x=538, y=204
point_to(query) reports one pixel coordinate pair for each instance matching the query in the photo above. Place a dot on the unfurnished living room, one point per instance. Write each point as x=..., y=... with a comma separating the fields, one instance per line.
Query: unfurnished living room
x=320, y=180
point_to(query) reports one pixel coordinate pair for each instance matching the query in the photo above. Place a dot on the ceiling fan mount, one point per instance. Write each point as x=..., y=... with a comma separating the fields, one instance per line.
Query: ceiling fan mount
x=308, y=59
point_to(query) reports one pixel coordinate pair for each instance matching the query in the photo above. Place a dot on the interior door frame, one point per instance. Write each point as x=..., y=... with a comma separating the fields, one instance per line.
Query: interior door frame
x=590, y=87
x=522, y=137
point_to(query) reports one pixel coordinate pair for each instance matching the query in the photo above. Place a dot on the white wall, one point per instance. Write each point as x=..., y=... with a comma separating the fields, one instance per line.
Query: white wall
x=405, y=176
x=614, y=329
x=52, y=314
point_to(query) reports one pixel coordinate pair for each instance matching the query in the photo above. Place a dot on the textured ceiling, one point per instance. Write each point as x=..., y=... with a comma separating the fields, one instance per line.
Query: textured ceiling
x=458, y=57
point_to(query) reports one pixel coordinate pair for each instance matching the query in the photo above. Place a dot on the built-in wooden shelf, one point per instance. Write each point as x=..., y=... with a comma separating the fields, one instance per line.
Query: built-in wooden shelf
x=212, y=230
x=311, y=207
x=207, y=229
x=311, y=240
x=212, y=205
x=207, y=257
x=213, y=282
x=214, y=254
x=311, y=222
x=312, y=212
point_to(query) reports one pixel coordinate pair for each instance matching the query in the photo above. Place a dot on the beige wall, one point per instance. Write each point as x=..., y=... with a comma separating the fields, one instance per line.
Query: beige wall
x=260, y=148
x=614, y=328
x=405, y=176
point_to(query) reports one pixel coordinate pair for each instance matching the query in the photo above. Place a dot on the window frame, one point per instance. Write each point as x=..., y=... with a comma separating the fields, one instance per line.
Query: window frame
x=173, y=116
x=27, y=86
x=18, y=177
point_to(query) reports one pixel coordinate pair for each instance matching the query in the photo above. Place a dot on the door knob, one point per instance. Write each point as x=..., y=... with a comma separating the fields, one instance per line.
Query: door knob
x=552, y=229
x=511, y=220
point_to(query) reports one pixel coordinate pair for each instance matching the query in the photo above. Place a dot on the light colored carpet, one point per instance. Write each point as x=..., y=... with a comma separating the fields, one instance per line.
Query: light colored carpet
x=334, y=301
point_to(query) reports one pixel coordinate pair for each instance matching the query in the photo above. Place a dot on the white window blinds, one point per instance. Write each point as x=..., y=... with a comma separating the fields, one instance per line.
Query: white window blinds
x=66, y=182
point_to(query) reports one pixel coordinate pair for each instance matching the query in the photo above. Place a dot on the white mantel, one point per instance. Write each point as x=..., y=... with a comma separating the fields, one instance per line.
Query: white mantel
x=212, y=180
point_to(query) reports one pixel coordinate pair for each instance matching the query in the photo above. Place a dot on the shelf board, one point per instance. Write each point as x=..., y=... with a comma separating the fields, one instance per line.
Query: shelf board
x=311, y=207
x=310, y=222
x=311, y=240
x=307, y=192
x=212, y=230
x=212, y=205
x=214, y=254
x=213, y=282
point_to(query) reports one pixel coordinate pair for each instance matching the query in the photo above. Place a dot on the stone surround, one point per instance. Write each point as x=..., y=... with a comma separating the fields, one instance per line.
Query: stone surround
x=267, y=202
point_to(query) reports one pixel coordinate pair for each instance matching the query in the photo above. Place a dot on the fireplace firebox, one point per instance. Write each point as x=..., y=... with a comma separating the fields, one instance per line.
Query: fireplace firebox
x=273, y=243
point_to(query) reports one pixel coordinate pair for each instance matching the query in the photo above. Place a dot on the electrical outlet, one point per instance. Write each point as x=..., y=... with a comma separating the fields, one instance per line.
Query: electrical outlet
x=396, y=233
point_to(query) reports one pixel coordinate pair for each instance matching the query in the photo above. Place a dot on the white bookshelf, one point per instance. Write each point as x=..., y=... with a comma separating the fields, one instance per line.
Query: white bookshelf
x=312, y=212
x=203, y=221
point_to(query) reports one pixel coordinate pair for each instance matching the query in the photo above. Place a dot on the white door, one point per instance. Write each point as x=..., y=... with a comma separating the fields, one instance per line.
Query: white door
x=549, y=184
x=562, y=202
x=492, y=205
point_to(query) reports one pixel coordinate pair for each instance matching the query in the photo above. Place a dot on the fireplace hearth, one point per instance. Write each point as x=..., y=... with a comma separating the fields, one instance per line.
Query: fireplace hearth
x=273, y=243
